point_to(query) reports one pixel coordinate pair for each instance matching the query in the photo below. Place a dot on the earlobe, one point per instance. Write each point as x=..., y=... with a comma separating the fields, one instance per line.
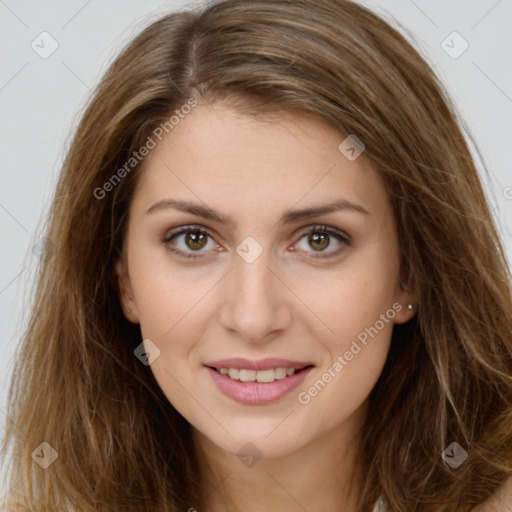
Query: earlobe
x=411, y=309
x=407, y=311
x=406, y=295
x=126, y=306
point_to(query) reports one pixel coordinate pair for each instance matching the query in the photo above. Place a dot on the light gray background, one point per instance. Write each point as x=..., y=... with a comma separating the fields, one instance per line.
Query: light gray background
x=41, y=99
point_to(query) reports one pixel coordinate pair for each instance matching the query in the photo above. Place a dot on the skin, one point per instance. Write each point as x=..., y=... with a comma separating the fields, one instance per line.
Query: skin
x=286, y=303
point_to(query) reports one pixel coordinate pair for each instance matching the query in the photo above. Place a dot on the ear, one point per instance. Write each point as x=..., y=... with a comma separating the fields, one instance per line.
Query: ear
x=124, y=290
x=405, y=294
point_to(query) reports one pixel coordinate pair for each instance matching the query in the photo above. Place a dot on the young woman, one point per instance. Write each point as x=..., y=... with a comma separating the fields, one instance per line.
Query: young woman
x=276, y=283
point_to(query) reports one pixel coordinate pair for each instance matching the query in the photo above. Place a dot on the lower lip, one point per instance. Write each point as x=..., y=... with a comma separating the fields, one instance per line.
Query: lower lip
x=257, y=393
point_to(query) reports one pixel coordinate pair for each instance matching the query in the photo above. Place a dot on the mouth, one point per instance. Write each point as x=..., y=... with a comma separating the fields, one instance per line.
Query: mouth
x=257, y=382
x=263, y=376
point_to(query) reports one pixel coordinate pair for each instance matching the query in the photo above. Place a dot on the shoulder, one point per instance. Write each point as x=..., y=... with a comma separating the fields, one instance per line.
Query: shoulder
x=501, y=501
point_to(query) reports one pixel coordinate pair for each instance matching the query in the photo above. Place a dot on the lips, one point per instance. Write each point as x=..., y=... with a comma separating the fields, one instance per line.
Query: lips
x=250, y=382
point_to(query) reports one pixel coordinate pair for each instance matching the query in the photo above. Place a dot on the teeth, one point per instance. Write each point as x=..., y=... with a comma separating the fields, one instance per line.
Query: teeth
x=266, y=375
x=234, y=373
x=245, y=375
x=280, y=373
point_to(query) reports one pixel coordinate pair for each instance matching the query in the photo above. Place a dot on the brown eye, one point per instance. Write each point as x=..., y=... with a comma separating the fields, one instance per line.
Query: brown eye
x=187, y=240
x=320, y=238
x=319, y=241
x=195, y=240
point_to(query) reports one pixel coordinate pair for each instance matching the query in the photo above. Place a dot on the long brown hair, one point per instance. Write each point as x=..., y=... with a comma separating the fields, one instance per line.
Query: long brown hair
x=77, y=385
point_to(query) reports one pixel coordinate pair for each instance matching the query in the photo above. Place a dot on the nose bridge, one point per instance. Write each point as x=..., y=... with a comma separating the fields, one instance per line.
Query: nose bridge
x=253, y=279
x=256, y=302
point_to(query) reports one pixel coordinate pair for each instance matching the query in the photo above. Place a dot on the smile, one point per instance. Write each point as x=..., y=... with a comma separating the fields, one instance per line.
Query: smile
x=257, y=383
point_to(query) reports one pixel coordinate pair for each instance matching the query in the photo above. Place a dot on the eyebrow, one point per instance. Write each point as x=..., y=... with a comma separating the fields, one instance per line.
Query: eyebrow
x=288, y=216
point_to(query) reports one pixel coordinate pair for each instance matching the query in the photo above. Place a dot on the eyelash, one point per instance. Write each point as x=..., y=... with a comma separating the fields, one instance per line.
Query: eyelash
x=322, y=229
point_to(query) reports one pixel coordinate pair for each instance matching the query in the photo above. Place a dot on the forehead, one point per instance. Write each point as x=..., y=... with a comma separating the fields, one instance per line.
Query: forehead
x=220, y=157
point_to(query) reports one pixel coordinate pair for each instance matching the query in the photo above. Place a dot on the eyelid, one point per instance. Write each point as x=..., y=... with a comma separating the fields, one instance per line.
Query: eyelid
x=331, y=230
x=185, y=229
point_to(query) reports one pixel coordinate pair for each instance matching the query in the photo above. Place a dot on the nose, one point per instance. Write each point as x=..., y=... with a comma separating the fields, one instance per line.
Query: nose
x=257, y=304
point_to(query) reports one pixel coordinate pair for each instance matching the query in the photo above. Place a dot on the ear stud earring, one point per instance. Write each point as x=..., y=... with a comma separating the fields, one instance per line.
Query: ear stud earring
x=129, y=310
x=410, y=306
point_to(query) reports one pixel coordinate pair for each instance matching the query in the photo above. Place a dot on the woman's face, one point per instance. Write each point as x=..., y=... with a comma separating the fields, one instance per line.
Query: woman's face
x=269, y=286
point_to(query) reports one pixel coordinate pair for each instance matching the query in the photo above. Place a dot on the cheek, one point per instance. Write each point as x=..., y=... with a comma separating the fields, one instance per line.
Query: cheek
x=167, y=295
x=359, y=308
x=345, y=381
x=172, y=314
x=347, y=299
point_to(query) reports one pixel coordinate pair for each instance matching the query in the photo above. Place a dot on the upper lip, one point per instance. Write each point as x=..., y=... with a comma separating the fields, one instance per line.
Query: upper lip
x=262, y=364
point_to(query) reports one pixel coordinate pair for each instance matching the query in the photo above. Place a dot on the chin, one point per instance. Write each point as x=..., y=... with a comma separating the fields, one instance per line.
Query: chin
x=265, y=439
